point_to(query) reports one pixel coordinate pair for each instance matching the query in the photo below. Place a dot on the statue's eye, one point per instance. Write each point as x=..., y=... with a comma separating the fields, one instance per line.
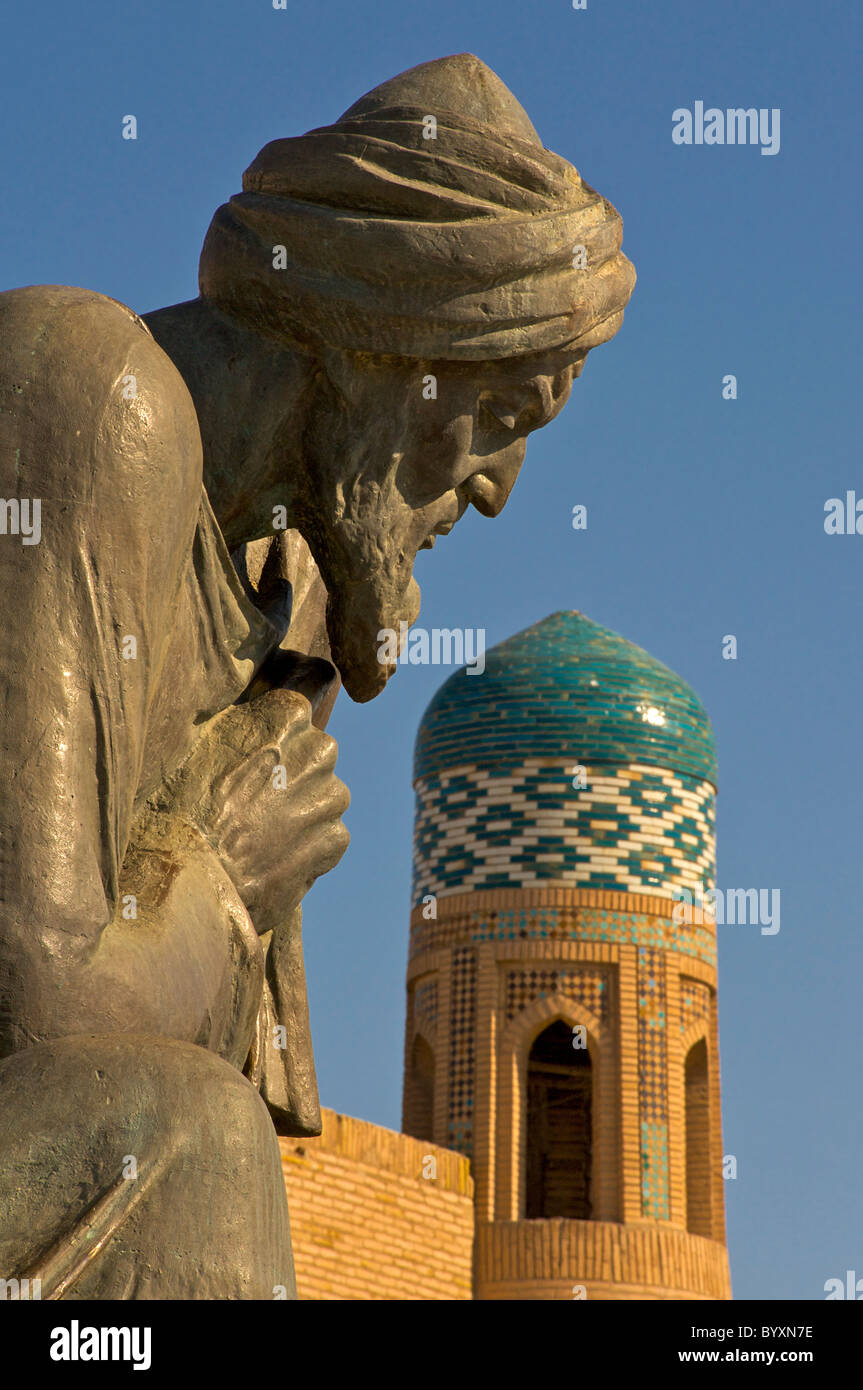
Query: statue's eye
x=518, y=411
x=499, y=416
x=488, y=420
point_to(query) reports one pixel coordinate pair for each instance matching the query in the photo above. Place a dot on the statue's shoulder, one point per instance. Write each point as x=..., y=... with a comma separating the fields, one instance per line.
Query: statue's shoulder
x=74, y=356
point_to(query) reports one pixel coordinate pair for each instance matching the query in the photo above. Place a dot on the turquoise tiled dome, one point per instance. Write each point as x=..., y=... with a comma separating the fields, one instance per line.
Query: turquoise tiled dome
x=567, y=687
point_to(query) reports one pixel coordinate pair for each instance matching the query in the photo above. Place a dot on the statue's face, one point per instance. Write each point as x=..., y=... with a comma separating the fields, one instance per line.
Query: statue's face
x=397, y=451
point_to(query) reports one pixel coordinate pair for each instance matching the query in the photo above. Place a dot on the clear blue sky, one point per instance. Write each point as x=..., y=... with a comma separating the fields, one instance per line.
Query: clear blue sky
x=705, y=516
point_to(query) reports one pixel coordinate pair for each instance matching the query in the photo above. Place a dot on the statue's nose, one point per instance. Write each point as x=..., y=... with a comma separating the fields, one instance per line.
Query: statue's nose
x=489, y=489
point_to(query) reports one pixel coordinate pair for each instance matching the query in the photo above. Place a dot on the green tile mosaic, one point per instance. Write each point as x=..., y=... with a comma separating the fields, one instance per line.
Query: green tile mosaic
x=653, y=1082
x=655, y=830
x=565, y=924
x=567, y=687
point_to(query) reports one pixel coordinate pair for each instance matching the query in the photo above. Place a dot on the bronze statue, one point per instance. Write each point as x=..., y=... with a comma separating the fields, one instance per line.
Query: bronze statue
x=231, y=495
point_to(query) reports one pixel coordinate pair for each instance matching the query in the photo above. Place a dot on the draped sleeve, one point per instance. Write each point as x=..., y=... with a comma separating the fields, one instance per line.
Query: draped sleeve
x=123, y=623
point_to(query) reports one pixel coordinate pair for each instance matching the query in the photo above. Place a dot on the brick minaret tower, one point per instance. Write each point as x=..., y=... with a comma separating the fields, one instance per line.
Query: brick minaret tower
x=561, y=1023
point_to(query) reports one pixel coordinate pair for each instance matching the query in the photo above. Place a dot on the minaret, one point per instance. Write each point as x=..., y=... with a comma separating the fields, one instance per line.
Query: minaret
x=561, y=1017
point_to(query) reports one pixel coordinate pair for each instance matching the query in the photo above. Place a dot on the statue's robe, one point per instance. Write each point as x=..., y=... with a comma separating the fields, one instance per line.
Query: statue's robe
x=124, y=630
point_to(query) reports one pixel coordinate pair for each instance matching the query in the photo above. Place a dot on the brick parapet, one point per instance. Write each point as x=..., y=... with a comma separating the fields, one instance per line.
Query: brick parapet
x=367, y=1225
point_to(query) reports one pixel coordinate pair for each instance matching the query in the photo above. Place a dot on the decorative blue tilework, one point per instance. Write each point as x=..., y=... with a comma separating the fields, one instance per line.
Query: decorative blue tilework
x=653, y=1083
x=654, y=1171
x=582, y=984
x=461, y=1050
x=695, y=1001
x=636, y=829
x=573, y=924
x=566, y=688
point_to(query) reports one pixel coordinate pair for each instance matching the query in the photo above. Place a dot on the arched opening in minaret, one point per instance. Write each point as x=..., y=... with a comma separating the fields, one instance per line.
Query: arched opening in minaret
x=698, y=1204
x=419, y=1098
x=558, y=1156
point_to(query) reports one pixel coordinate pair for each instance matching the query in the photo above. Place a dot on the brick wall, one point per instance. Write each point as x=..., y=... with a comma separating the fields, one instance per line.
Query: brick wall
x=366, y=1224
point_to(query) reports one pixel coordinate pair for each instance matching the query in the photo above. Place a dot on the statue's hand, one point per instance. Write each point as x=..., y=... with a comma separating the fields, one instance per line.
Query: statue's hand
x=261, y=788
x=187, y=906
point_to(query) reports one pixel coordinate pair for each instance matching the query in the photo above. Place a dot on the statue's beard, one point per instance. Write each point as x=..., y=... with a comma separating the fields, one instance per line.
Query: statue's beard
x=365, y=543
x=355, y=618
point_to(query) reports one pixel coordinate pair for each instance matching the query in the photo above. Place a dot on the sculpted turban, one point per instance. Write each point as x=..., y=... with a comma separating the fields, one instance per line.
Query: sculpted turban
x=458, y=246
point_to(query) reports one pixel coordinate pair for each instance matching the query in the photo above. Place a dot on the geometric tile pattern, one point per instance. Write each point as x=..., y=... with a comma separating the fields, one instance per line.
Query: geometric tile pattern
x=461, y=1051
x=695, y=940
x=425, y=1008
x=587, y=987
x=652, y=1084
x=635, y=829
x=695, y=1000
x=654, y=1171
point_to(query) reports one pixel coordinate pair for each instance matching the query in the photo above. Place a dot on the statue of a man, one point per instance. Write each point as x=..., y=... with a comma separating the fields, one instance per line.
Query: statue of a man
x=386, y=312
